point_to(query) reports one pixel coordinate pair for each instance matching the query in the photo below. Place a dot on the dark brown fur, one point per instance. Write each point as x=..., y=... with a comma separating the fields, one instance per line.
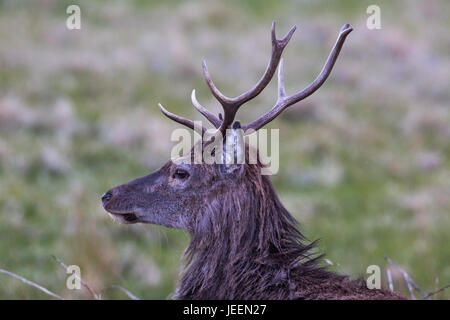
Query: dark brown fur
x=246, y=245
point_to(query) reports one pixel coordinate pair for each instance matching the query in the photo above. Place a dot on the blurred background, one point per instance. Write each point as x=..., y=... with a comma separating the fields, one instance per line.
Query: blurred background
x=365, y=161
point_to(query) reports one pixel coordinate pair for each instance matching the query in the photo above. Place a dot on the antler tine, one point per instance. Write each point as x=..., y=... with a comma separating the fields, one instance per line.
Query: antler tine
x=224, y=101
x=186, y=122
x=281, y=89
x=277, y=49
x=231, y=105
x=283, y=102
x=208, y=115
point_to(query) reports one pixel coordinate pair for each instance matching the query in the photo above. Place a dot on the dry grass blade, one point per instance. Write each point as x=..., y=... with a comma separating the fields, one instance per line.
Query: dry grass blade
x=409, y=281
x=128, y=293
x=31, y=283
x=83, y=283
x=389, y=276
x=437, y=291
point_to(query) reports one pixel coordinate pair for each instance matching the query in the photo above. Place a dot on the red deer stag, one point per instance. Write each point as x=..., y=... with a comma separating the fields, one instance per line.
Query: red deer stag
x=244, y=244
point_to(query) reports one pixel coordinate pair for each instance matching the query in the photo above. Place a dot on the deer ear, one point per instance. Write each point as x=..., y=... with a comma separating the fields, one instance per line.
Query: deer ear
x=233, y=155
x=233, y=171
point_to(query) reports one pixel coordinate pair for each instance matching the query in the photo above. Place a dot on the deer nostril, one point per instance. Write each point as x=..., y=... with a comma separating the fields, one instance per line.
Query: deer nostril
x=106, y=197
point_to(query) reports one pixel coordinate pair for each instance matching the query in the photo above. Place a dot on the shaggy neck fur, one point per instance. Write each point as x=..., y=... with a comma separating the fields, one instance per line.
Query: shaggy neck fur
x=245, y=245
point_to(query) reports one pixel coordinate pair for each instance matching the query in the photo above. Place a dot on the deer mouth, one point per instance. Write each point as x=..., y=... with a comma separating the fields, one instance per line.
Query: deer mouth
x=124, y=218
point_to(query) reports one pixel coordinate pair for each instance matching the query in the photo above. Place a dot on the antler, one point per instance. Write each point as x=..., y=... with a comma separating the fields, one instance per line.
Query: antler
x=284, y=101
x=186, y=122
x=231, y=105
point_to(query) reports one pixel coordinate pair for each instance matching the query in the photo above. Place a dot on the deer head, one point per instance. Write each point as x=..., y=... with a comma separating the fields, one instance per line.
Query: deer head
x=244, y=244
x=180, y=194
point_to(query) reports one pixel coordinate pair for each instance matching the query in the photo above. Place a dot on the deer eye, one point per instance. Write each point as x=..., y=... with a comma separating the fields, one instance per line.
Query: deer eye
x=181, y=174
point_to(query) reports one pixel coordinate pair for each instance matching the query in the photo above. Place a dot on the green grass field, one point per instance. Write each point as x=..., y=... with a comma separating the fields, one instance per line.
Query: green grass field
x=364, y=162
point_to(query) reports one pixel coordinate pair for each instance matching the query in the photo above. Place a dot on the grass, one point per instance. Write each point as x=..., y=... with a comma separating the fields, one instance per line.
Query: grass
x=366, y=170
